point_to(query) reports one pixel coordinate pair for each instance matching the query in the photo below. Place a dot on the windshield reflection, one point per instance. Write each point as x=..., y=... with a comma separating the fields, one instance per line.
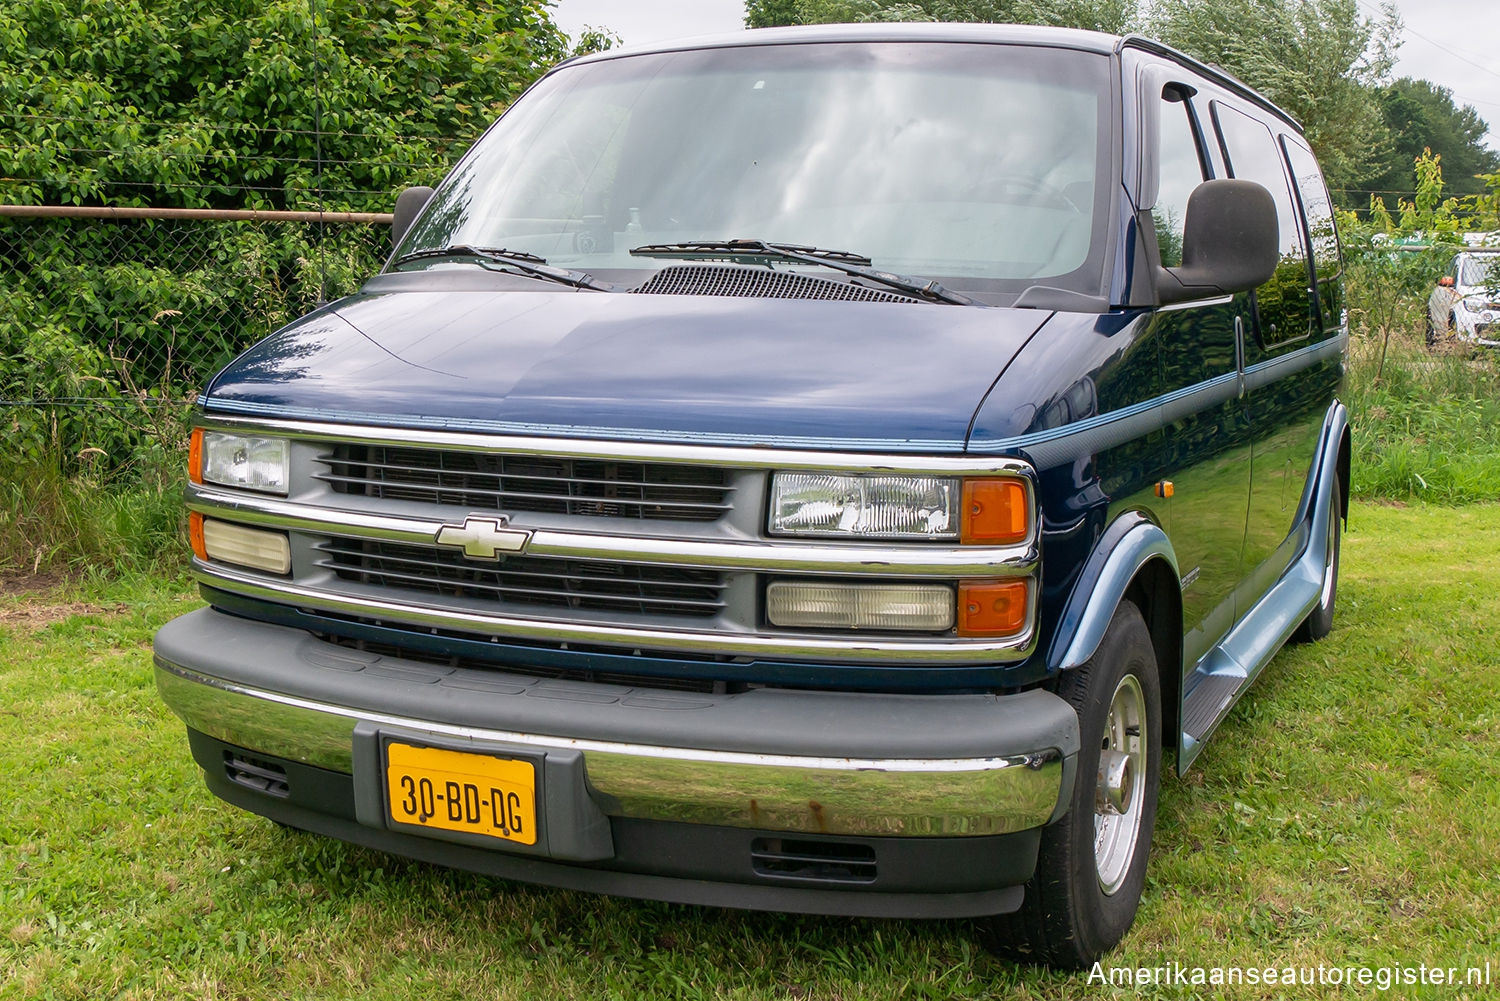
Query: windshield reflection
x=958, y=160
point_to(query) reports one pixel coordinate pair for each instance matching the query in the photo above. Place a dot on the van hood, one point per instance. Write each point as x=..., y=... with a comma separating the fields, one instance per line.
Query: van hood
x=775, y=372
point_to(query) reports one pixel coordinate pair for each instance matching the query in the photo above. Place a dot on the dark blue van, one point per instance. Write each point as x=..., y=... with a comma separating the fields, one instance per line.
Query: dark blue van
x=821, y=470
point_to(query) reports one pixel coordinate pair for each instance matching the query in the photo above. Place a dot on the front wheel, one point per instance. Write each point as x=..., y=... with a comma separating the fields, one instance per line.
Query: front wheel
x=1092, y=864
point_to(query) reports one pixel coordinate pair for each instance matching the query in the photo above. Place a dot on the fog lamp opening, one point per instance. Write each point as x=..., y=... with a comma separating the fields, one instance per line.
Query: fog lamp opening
x=873, y=607
x=226, y=542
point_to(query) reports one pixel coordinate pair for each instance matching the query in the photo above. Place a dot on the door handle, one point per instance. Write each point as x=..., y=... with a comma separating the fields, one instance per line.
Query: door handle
x=1239, y=354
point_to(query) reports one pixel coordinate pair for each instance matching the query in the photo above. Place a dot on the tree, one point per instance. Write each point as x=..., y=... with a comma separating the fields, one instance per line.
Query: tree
x=1422, y=116
x=1319, y=59
x=1099, y=15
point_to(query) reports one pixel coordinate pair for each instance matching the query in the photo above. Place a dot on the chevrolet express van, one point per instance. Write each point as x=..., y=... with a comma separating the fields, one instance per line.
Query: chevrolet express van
x=825, y=470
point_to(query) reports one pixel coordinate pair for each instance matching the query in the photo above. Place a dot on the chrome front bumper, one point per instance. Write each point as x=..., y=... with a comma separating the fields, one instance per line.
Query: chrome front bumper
x=768, y=759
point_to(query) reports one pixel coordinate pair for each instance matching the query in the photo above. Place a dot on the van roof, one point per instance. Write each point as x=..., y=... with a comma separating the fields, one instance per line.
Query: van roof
x=898, y=31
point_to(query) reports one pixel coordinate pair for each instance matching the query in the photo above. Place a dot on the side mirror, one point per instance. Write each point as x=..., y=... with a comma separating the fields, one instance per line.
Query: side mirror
x=1229, y=242
x=409, y=204
x=1446, y=281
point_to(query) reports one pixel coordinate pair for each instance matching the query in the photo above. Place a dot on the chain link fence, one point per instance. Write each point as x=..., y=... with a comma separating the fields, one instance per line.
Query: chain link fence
x=113, y=319
x=104, y=305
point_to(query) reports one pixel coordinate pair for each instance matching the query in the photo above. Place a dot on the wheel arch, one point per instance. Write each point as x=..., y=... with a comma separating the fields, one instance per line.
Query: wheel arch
x=1133, y=560
x=1344, y=466
x=1157, y=592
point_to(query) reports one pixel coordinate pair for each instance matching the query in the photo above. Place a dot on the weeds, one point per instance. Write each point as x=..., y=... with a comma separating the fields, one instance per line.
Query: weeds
x=70, y=506
x=1429, y=428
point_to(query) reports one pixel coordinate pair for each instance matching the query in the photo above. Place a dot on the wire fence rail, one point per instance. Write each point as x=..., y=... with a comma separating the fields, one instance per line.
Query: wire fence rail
x=139, y=305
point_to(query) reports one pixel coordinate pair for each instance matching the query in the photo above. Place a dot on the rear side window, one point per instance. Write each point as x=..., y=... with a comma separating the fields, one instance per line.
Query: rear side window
x=1284, y=304
x=1318, y=210
x=1179, y=171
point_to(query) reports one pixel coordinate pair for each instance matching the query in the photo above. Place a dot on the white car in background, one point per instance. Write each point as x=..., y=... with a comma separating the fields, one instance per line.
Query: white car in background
x=1465, y=305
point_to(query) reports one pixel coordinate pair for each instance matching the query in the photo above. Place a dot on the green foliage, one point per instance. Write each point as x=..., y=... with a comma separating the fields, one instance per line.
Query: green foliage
x=76, y=510
x=1393, y=260
x=1101, y=15
x=230, y=103
x=1425, y=426
x=1319, y=59
x=300, y=104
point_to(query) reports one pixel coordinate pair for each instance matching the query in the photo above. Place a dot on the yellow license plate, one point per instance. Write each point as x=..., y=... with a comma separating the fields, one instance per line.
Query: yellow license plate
x=458, y=791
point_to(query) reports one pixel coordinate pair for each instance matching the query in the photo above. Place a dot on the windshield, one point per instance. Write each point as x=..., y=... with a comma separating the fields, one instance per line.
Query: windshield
x=980, y=164
x=1479, y=270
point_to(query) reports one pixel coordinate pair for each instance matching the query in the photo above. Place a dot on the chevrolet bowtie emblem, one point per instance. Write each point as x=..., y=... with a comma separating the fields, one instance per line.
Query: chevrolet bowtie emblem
x=483, y=538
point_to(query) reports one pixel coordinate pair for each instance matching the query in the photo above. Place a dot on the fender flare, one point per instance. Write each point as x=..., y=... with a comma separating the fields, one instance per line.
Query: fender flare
x=1129, y=542
x=1315, y=498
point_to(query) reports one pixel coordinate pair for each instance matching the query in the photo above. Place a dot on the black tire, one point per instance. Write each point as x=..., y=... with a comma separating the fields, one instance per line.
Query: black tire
x=1067, y=919
x=1431, y=331
x=1319, y=621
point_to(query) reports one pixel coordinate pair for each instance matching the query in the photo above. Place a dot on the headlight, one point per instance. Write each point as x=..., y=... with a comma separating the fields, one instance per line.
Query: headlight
x=990, y=510
x=1475, y=303
x=233, y=460
x=865, y=506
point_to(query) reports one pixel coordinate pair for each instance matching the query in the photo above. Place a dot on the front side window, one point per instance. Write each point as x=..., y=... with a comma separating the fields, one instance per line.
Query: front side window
x=1180, y=170
x=1283, y=304
x=984, y=165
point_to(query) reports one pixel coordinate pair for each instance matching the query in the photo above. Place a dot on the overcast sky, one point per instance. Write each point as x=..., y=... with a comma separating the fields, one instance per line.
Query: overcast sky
x=1450, y=42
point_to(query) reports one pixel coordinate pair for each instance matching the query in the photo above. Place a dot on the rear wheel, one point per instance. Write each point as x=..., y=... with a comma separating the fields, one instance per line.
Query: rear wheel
x=1092, y=864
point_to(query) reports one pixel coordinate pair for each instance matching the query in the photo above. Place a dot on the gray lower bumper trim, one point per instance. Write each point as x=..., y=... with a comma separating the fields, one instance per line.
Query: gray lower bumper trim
x=773, y=759
x=647, y=886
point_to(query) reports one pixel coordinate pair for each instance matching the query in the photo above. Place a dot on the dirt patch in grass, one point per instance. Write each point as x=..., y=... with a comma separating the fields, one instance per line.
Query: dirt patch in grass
x=14, y=584
x=25, y=603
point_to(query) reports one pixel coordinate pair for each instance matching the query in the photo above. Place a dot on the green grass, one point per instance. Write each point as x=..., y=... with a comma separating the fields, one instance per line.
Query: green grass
x=1345, y=814
x=1429, y=426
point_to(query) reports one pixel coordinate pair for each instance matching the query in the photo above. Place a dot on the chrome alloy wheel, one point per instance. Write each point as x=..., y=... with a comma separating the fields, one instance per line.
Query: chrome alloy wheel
x=1118, y=797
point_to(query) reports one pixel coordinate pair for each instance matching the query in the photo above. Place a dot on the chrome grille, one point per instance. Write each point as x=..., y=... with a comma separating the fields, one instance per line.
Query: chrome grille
x=599, y=585
x=479, y=481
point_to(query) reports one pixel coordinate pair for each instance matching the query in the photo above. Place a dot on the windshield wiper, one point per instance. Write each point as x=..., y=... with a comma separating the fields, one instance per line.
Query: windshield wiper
x=514, y=260
x=852, y=264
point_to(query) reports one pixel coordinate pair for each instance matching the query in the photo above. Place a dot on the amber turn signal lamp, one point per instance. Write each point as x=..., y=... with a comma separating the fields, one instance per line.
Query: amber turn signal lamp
x=993, y=607
x=195, y=536
x=195, y=458
x=995, y=512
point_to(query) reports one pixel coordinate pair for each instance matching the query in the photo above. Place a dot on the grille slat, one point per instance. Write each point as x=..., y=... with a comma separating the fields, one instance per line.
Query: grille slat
x=585, y=487
x=356, y=553
x=529, y=580
x=738, y=280
x=536, y=476
x=507, y=498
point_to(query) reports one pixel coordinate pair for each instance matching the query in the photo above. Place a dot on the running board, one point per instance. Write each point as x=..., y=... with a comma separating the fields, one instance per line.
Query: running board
x=1226, y=671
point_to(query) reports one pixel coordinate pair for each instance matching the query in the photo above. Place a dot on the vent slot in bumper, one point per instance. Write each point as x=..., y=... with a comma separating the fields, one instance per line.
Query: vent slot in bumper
x=253, y=773
x=820, y=861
